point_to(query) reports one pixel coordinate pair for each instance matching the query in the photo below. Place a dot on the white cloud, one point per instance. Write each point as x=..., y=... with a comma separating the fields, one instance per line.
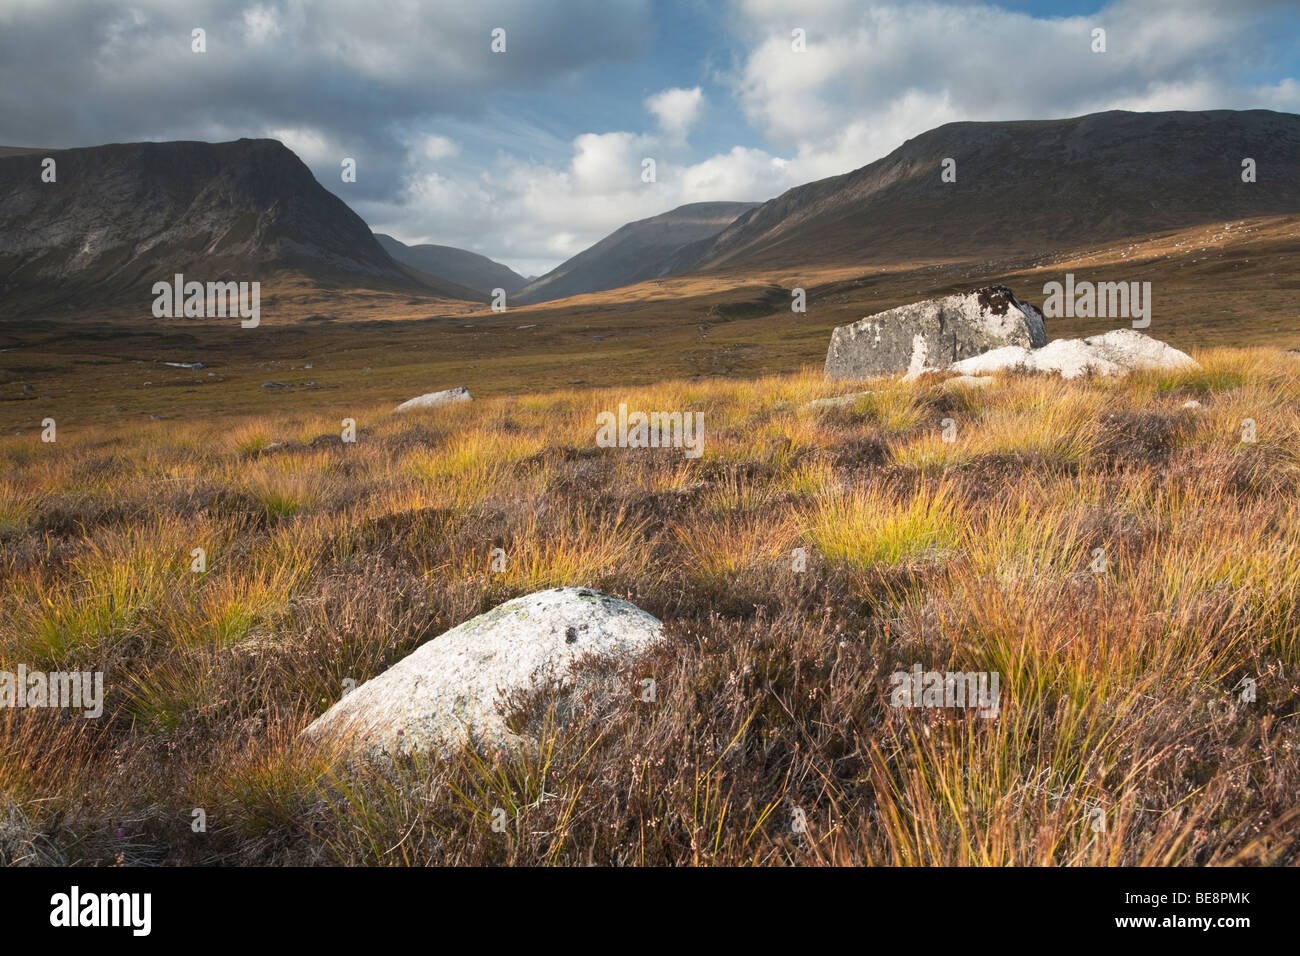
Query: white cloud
x=874, y=75
x=261, y=24
x=310, y=145
x=532, y=216
x=677, y=110
x=741, y=175
x=438, y=147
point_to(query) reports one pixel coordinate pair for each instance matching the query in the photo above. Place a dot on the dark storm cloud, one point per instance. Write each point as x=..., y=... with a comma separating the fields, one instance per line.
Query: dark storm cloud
x=359, y=78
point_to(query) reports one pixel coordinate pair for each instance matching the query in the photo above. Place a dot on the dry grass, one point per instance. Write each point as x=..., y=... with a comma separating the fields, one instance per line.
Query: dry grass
x=328, y=561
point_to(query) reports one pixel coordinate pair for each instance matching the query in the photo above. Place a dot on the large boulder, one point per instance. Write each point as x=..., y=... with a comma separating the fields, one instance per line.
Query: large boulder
x=1112, y=353
x=448, y=396
x=934, y=332
x=458, y=687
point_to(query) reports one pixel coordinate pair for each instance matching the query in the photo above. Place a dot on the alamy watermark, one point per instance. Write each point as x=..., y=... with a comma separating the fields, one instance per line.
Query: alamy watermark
x=1101, y=300
x=78, y=690
x=684, y=430
x=127, y=910
x=195, y=300
x=976, y=690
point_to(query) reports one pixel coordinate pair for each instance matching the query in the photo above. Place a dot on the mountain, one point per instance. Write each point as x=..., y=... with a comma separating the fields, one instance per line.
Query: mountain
x=646, y=249
x=122, y=216
x=455, y=265
x=1024, y=187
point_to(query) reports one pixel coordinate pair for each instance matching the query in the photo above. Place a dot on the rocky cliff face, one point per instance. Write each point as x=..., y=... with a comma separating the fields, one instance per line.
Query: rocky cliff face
x=119, y=217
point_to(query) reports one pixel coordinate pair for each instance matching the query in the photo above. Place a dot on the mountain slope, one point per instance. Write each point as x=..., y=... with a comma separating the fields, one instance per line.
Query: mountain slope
x=455, y=265
x=122, y=216
x=1024, y=187
x=645, y=249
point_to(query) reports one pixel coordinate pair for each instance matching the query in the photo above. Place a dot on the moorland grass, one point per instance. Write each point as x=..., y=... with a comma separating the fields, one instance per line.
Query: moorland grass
x=1122, y=737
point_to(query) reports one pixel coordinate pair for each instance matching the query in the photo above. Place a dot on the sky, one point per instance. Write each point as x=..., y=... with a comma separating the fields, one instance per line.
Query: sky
x=532, y=154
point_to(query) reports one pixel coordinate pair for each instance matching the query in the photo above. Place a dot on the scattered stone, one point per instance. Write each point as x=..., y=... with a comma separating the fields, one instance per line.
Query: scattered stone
x=457, y=687
x=1191, y=403
x=969, y=381
x=837, y=400
x=935, y=332
x=448, y=396
x=1113, y=353
x=277, y=385
x=196, y=366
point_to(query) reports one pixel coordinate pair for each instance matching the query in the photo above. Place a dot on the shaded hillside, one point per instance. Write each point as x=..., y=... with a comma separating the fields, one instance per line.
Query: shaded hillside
x=455, y=265
x=1025, y=187
x=645, y=249
x=122, y=216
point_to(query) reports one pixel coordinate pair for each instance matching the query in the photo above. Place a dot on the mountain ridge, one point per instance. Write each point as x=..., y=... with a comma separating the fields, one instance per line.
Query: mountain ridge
x=470, y=269
x=643, y=249
x=122, y=215
x=1103, y=175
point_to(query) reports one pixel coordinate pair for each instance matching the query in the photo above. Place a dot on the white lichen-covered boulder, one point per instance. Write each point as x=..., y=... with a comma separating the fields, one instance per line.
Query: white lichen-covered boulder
x=458, y=687
x=448, y=396
x=1113, y=353
x=933, y=333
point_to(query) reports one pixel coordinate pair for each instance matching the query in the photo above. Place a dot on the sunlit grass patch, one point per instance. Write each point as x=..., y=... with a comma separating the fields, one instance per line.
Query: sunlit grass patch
x=579, y=547
x=1015, y=539
x=250, y=438
x=1056, y=430
x=190, y=684
x=720, y=550
x=118, y=578
x=467, y=469
x=17, y=507
x=869, y=527
x=809, y=479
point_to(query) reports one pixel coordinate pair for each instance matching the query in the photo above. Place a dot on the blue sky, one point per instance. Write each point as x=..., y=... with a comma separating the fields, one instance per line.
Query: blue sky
x=531, y=155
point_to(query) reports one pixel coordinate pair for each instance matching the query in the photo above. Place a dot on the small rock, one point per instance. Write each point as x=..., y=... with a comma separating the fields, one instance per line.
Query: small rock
x=448, y=396
x=969, y=381
x=836, y=401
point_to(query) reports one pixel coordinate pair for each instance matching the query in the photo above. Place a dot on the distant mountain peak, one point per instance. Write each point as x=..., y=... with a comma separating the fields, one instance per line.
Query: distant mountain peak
x=461, y=266
x=645, y=249
x=121, y=216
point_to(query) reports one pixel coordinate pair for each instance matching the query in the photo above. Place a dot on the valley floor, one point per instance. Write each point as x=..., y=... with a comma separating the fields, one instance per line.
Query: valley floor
x=1127, y=563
